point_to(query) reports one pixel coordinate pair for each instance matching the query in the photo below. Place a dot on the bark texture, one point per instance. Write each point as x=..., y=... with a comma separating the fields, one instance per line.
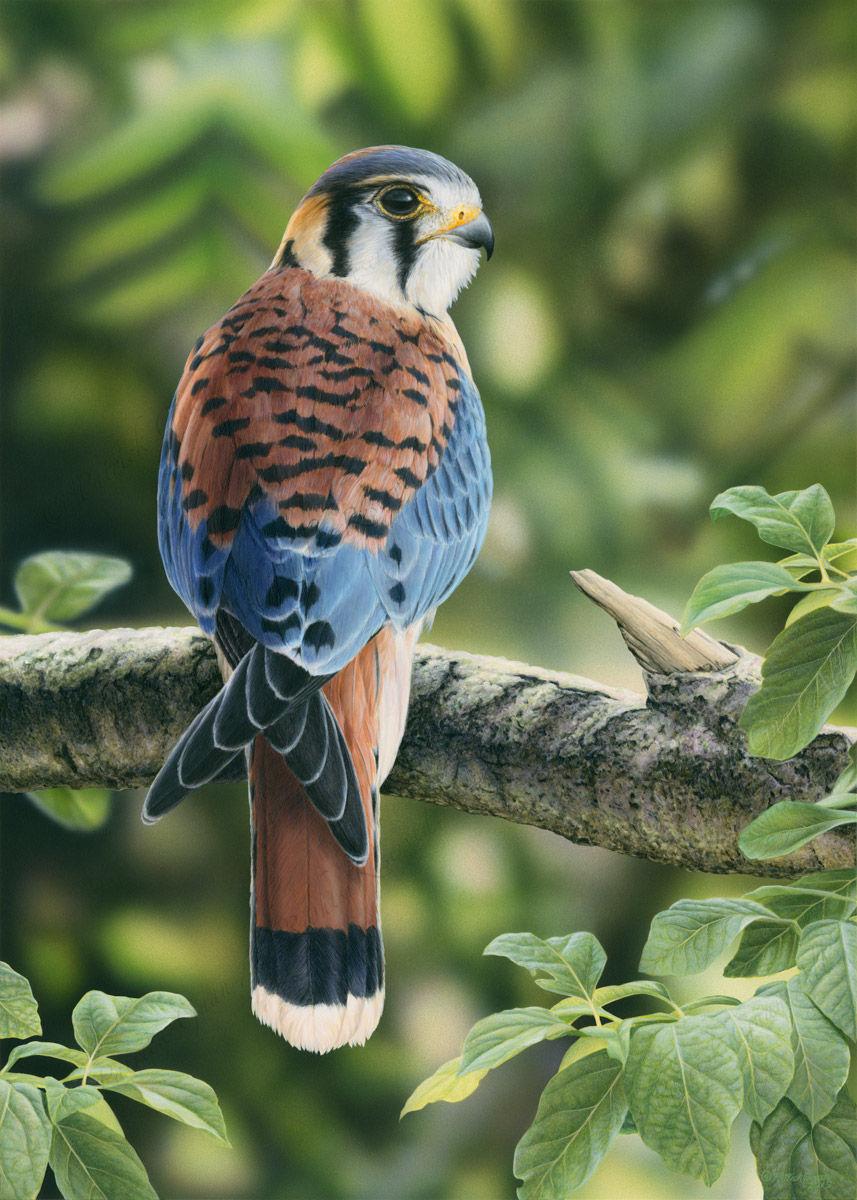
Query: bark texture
x=664, y=776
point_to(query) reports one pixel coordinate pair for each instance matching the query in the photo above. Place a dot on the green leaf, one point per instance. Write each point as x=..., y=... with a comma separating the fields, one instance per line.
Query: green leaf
x=820, y=1052
x=63, y=1101
x=846, y=600
x=573, y=965
x=841, y=883
x=444, y=1084
x=179, y=1096
x=119, y=1024
x=19, y=1012
x=501, y=1036
x=800, y=1161
x=766, y=948
x=847, y=781
x=570, y=1009
x=47, y=1050
x=91, y=1161
x=806, y=672
x=59, y=586
x=760, y=1032
x=691, y=934
x=836, y=550
x=693, y=1006
x=82, y=810
x=616, y=1039
x=581, y=1048
x=25, y=1136
x=838, y=800
x=801, y=520
x=794, y=902
x=580, y=1113
x=827, y=961
x=822, y=598
x=638, y=987
x=729, y=588
x=788, y=825
x=685, y=1089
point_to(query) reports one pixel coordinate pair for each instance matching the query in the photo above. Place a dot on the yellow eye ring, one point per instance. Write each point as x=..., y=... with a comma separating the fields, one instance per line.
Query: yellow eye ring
x=399, y=201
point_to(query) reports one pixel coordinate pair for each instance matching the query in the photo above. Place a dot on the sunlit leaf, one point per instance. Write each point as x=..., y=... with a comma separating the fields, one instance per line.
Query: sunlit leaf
x=91, y=1161
x=47, y=1050
x=175, y=1094
x=794, y=902
x=827, y=961
x=59, y=586
x=689, y=935
x=685, y=1089
x=25, y=1137
x=499, y=1037
x=19, y=1012
x=799, y=520
x=806, y=672
x=823, y=598
x=727, y=589
x=637, y=987
x=444, y=1084
x=120, y=1024
x=821, y=1057
x=580, y=1113
x=846, y=600
x=760, y=1032
x=800, y=1160
x=788, y=825
x=83, y=810
x=766, y=948
x=570, y=965
x=62, y=1101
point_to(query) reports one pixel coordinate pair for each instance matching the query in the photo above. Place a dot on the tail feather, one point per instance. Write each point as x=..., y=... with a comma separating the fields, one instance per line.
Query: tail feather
x=317, y=959
x=262, y=689
x=316, y=759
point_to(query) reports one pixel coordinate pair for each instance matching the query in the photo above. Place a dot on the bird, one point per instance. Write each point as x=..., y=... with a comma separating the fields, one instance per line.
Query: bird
x=325, y=483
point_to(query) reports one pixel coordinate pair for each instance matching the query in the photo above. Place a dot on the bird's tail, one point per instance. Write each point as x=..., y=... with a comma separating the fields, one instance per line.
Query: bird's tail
x=317, y=961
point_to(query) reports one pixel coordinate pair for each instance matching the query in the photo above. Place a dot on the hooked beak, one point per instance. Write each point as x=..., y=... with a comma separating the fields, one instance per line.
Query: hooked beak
x=469, y=227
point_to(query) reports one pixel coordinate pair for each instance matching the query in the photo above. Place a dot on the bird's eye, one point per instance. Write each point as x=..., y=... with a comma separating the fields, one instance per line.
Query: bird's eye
x=399, y=202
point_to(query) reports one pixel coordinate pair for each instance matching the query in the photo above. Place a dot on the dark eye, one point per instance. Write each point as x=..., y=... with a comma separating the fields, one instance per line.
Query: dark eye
x=399, y=202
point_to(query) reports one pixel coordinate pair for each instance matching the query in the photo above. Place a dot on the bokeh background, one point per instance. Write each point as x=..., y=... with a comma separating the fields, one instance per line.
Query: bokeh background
x=670, y=311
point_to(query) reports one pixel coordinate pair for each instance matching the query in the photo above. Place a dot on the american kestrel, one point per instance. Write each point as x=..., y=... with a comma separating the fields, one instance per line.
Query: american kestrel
x=324, y=485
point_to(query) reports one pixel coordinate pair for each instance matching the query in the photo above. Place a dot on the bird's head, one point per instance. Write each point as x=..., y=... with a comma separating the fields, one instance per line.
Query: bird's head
x=405, y=225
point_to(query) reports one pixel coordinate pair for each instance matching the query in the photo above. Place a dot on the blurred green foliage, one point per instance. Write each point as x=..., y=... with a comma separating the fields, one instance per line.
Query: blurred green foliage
x=670, y=312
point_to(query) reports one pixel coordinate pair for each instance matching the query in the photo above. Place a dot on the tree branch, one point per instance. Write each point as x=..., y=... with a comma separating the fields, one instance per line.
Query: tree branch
x=664, y=776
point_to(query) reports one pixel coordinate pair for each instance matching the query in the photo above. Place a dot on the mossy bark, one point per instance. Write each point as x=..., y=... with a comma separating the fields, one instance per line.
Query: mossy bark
x=664, y=776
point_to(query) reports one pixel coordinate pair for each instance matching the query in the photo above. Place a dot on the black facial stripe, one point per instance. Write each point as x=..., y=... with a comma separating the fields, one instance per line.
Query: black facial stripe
x=341, y=223
x=287, y=256
x=405, y=249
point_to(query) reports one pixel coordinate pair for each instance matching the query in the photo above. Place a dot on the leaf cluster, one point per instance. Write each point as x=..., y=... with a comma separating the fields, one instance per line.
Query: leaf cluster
x=679, y=1077
x=68, y=1123
x=810, y=665
x=52, y=587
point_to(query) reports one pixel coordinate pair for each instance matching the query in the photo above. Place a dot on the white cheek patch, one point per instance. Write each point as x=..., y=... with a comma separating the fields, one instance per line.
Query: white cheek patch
x=373, y=265
x=441, y=270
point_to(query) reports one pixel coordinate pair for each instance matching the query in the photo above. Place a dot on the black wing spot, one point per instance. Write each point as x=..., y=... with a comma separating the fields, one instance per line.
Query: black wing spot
x=319, y=635
x=281, y=590
x=223, y=520
x=227, y=428
x=194, y=499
